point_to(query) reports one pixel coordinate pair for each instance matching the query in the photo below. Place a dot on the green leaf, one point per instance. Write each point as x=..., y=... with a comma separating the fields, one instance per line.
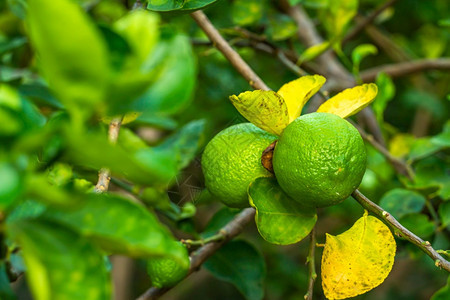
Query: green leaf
x=420, y=224
x=60, y=264
x=337, y=15
x=386, y=92
x=165, y=5
x=433, y=172
x=313, y=52
x=400, y=202
x=81, y=81
x=219, y=220
x=11, y=185
x=444, y=213
x=197, y=4
x=174, y=88
x=6, y=293
x=443, y=293
x=28, y=209
x=119, y=226
x=359, y=53
x=239, y=263
x=246, y=12
x=184, y=143
x=138, y=24
x=280, y=220
x=265, y=109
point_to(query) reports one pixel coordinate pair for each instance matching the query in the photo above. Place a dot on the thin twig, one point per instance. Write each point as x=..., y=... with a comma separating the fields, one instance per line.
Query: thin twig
x=366, y=21
x=406, y=68
x=196, y=243
x=311, y=260
x=401, y=231
x=229, y=231
x=104, y=176
x=222, y=45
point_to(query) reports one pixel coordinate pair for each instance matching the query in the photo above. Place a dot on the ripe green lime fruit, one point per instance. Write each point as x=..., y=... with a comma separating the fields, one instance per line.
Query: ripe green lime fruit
x=232, y=160
x=166, y=272
x=320, y=159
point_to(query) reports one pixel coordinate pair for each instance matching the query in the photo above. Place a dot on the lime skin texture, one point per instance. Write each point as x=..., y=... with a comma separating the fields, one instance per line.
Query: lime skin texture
x=320, y=159
x=165, y=272
x=232, y=160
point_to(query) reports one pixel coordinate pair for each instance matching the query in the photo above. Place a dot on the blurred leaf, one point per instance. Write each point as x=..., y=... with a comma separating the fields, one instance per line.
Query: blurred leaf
x=416, y=98
x=28, y=209
x=174, y=87
x=119, y=48
x=432, y=41
x=444, y=213
x=59, y=174
x=400, y=144
x=11, y=44
x=443, y=293
x=311, y=3
x=197, y=4
x=400, y=202
x=359, y=53
x=18, y=7
x=337, y=15
x=433, y=172
x=119, y=226
x=184, y=143
x=239, y=263
x=11, y=185
x=156, y=120
x=265, y=109
x=425, y=147
x=357, y=260
x=41, y=93
x=297, y=92
x=130, y=141
x=313, y=52
x=350, y=101
x=146, y=166
x=280, y=220
x=39, y=188
x=281, y=27
x=135, y=25
x=246, y=12
x=60, y=264
x=420, y=224
x=165, y=5
x=82, y=79
x=6, y=293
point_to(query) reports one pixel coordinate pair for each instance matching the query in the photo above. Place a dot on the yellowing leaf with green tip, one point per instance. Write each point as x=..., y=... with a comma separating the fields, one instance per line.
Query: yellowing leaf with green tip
x=297, y=92
x=265, y=109
x=350, y=101
x=357, y=260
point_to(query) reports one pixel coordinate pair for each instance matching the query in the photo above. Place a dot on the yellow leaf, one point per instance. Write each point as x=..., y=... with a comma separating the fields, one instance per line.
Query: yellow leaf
x=297, y=92
x=265, y=109
x=357, y=260
x=350, y=101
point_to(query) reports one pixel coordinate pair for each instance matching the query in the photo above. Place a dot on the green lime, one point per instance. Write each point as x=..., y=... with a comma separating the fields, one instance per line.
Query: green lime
x=320, y=159
x=232, y=160
x=166, y=272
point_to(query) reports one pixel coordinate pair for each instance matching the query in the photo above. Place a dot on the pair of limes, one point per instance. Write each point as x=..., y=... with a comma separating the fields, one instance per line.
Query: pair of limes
x=319, y=160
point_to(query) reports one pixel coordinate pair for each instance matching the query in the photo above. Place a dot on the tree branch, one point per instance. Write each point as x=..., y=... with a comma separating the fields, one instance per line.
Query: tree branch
x=406, y=68
x=366, y=21
x=104, y=176
x=229, y=231
x=401, y=231
x=311, y=260
x=222, y=45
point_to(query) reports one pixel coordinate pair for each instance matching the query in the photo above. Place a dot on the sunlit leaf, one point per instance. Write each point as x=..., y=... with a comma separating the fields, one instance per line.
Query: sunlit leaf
x=281, y=27
x=11, y=184
x=165, y=5
x=360, y=52
x=337, y=15
x=197, y=4
x=83, y=77
x=313, y=52
x=280, y=220
x=60, y=263
x=265, y=109
x=357, y=260
x=239, y=263
x=297, y=92
x=350, y=101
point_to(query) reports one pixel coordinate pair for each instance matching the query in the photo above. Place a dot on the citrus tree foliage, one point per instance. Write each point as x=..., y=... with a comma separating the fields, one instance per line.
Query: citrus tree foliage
x=71, y=70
